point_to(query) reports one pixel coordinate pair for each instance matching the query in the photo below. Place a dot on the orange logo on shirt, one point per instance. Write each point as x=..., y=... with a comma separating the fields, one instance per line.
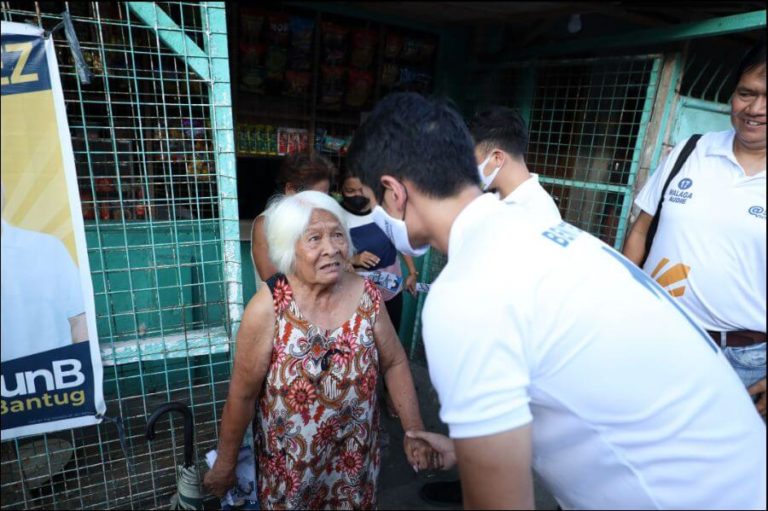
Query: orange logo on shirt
x=673, y=275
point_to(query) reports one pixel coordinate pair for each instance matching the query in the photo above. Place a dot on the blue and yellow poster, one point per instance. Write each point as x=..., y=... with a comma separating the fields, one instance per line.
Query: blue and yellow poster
x=51, y=365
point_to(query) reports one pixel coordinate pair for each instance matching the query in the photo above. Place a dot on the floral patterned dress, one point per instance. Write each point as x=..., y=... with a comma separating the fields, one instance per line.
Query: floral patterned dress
x=317, y=422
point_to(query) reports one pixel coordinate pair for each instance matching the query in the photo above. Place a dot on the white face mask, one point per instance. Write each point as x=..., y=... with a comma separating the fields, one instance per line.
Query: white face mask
x=487, y=180
x=397, y=232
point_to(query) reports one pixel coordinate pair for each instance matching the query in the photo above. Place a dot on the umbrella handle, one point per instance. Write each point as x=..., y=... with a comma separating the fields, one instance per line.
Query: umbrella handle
x=189, y=426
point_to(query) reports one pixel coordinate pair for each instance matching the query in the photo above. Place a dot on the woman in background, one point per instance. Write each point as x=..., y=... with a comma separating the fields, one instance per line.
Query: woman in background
x=298, y=172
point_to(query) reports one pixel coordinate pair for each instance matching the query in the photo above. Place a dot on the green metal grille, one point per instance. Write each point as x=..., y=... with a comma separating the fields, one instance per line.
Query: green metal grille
x=154, y=153
x=587, y=121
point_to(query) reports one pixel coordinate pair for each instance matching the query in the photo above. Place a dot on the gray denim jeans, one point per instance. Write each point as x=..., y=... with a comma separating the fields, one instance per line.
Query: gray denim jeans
x=749, y=362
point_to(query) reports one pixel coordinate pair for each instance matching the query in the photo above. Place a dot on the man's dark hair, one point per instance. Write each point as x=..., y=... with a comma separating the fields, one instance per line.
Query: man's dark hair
x=500, y=127
x=755, y=57
x=409, y=136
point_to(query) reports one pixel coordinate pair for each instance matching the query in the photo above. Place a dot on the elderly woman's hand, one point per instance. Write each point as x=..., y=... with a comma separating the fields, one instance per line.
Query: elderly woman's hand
x=420, y=454
x=445, y=457
x=219, y=480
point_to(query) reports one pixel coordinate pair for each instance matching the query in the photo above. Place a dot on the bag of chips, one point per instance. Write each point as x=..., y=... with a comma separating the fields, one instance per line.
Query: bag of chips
x=278, y=29
x=363, y=49
x=334, y=44
x=297, y=83
x=300, y=55
x=331, y=86
x=390, y=72
x=428, y=47
x=360, y=86
x=392, y=45
x=302, y=30
x=275, y=64
x=411, y=49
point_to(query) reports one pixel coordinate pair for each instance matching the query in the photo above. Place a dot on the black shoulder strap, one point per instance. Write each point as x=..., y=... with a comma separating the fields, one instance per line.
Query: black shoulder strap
x=681, y=159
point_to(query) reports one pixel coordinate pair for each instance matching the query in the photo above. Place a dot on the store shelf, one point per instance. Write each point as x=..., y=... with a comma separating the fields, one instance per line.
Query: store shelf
x=359, y=75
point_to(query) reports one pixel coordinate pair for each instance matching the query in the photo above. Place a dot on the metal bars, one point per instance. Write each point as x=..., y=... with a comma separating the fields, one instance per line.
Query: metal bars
x=587, y=122
x=154, y=153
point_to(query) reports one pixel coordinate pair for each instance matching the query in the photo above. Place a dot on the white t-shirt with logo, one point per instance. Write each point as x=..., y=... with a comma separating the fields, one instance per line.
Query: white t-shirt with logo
x=40, y=292
x=710, y=247
x=632, y=405
x=531, y=196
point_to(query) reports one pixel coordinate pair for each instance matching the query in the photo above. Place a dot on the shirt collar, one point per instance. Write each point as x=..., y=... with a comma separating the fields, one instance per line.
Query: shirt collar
x=722, y=145
x=524, y=190
x=473, y=213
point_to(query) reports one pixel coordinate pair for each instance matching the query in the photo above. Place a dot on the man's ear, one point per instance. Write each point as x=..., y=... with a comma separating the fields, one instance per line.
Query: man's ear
x=396, y=197
x=290, y=189
x=499, y=157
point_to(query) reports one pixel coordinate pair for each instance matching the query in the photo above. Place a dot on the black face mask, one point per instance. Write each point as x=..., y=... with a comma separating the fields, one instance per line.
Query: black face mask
x=356, y=203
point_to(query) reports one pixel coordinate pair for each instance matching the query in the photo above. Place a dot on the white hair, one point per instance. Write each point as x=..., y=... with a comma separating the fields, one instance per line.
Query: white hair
x=287, y=218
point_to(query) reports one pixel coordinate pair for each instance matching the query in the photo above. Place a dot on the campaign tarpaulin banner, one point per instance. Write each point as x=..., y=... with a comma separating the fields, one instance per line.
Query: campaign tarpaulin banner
x=51, y=365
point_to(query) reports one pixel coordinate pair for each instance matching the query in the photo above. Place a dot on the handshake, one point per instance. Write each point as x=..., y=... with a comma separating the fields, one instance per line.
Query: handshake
x=429, y=451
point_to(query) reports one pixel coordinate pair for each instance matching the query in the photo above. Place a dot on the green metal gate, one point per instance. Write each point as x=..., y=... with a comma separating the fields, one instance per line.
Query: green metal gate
x=588, y=120
x=154, y=151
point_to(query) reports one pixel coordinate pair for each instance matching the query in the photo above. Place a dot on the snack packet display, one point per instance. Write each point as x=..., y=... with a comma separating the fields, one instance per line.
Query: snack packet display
x=390, y=73
x=297, y=83
x=331, y=87
x=359, y=88
x=334, y=44
x=363, y=49
x=278, y=29
x=392, y=45
x=292, y=140
x=300, y=55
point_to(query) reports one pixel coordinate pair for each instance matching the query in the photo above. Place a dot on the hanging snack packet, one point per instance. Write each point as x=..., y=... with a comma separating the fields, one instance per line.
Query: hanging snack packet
x=363, y=49
x=411, y=50
x=389, y=74
x=359, y=88
x=297, y=83
x=302, y=31
x=278, y=29
x=428, y=47
x=334, y=44
x=392, y=45
x=331, y=86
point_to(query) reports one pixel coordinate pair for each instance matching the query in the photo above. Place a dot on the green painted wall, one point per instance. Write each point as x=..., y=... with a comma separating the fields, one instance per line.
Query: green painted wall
x=157, y=279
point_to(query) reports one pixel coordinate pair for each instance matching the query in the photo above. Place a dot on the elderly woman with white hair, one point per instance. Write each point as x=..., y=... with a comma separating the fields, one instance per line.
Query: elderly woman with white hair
x=309, y=349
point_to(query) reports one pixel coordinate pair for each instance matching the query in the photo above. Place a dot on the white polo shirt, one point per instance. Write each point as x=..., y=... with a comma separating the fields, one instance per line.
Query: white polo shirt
x=40, y=292
x=531, y=196
x=632, y=405
x=710, y=247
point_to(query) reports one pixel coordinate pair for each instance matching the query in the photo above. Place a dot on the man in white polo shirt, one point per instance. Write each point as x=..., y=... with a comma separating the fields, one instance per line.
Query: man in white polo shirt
x=548, y=349
x=42, y=303
x=709, y=250
x=501, y=141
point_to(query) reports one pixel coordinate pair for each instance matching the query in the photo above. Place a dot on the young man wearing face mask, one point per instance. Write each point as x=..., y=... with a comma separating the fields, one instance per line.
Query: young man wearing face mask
x=501, y=141
x=536, y=358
